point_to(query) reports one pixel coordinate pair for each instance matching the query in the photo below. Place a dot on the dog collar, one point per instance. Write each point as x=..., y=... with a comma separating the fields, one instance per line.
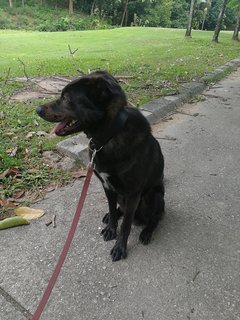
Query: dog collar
x=98, y=142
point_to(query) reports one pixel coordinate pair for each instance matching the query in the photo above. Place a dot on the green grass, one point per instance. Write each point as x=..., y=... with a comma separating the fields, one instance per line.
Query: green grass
x=150, y=54
x=159, y=60
x=30, y=172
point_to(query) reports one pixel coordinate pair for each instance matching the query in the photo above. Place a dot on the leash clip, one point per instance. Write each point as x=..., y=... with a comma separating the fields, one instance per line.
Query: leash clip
x=94, y=151
x=91, y=163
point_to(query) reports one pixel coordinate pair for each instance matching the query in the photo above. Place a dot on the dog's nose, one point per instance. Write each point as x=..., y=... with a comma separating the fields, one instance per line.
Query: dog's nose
x=39, y=110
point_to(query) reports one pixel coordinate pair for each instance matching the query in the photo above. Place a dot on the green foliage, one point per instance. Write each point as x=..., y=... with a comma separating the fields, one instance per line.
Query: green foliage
x=179, y=14
x=212, y=16
x=234, y=5
x=47, y=19
x=159, y=14
x=100, y=14
x=67, y=23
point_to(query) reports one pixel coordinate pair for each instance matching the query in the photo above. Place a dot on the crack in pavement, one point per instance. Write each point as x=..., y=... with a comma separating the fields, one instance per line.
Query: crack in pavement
x=15, y=304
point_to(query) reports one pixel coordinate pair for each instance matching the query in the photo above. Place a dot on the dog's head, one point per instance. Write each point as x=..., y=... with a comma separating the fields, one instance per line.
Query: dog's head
x=84, y=104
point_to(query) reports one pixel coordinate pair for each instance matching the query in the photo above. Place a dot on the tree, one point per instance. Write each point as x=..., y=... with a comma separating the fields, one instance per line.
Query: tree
x=190, y=19
x=179, y=14
x=158, y=13
x=235, y=5
x=10, y=3
x=219, y=21
x=125, y=14
x=70, y=7
x=205, y=11
x=236, y=29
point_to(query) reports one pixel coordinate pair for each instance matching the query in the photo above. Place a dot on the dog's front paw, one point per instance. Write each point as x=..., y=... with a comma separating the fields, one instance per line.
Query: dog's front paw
x=118, y=252
x=106, y=218
x=109, y=233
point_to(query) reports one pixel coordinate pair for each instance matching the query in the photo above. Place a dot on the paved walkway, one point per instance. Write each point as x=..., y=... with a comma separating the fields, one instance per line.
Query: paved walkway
x=191, y=268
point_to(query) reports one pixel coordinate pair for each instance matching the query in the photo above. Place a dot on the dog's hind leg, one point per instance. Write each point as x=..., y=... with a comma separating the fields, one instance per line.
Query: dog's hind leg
x=154, y=214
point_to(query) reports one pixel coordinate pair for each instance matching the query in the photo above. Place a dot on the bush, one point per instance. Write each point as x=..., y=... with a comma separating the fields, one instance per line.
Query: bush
x=46, y=19
x=67, y=23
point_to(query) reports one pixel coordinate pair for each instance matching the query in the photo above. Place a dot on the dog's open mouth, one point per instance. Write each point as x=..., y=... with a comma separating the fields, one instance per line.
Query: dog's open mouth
x=66, y=127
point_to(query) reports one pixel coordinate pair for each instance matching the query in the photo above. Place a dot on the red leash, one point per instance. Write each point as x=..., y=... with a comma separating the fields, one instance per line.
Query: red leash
x=67, y=244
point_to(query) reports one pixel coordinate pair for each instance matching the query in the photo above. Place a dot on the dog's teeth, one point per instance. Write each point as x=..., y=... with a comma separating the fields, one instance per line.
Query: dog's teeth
x=72, y=122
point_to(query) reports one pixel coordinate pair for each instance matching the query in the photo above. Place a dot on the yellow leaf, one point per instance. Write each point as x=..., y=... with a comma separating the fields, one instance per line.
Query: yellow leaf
x=29, y=213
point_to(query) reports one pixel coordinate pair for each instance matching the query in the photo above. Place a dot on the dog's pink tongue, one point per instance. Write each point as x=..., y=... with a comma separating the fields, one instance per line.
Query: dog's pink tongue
x=58, y=127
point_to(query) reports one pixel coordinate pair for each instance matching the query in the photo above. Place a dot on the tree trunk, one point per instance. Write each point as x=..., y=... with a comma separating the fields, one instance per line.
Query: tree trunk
x=237, y=26
x=124, y=12
x=10, y=3
x=70, y=7
x=113, y=12
x=189, y=26
x=93, y=8
x=204, y=17
x=219, y=21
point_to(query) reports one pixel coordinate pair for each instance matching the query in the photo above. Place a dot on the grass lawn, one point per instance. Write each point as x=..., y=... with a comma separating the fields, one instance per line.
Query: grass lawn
x=159, y=59
x=155, y=56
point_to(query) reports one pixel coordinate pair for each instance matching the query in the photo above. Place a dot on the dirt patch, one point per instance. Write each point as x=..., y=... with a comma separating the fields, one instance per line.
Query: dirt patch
x=40, y=87
x=47, y=87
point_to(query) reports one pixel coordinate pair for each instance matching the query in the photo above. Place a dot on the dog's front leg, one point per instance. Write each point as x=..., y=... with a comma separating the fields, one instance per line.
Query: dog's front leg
x=110, y=231
x=119, y=251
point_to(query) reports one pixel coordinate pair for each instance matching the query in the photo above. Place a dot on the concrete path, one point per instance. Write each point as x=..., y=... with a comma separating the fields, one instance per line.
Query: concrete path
x=191, y=268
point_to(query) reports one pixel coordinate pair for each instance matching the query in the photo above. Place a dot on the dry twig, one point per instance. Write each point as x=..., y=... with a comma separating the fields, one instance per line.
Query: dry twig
x=54, y=221
x=73, y=59
x=187, y=114
x=24, y=68
x=167, y=138
x=8, y=73
x=48, y=223
x=195, y=275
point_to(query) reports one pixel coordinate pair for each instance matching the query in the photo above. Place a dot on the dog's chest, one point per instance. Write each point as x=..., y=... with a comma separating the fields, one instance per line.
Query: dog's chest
x=105, y=179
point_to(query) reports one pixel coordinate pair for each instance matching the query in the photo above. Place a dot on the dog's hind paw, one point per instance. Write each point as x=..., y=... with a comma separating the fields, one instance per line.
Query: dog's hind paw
x=109, y=233
x=118, y=252
x=145, y=236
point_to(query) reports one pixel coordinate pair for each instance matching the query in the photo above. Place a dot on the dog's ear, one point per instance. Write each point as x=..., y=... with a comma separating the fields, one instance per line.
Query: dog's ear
x=106, y=86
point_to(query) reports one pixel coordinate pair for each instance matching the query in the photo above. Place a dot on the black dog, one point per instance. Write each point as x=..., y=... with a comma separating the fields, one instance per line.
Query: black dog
x=128, y=161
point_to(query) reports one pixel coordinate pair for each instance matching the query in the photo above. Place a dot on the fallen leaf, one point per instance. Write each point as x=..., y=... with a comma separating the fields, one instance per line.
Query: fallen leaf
x=12, y=152
x=25, y=151
x=12, y=222
x=40, y=147
x=32, y=170
x=17, y=201
x=2, y=115
x=9, y=134
x=30, y=134
x=6, y=173
x=29, y=213
x=42, y=134
x=18, y=194
x=10, y=172
x=6, y=203
x=50, y=188
x=78, y=174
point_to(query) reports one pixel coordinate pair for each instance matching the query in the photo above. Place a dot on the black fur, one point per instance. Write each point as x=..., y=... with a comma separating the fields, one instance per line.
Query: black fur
x=130, y=164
